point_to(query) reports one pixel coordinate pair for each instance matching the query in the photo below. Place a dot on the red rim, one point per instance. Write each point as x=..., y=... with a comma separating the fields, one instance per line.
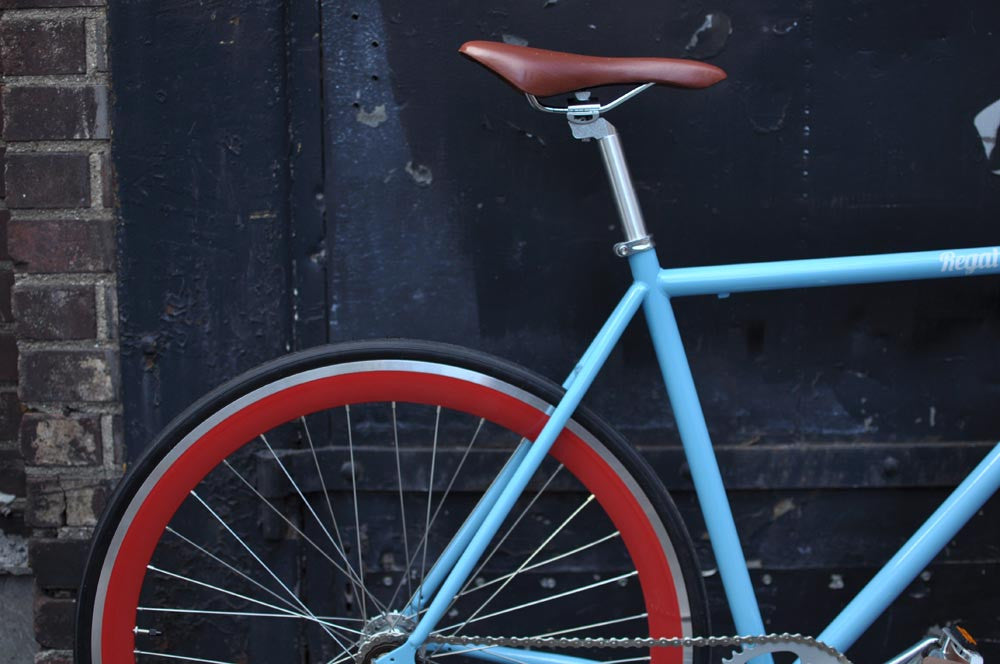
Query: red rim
x=152, y=517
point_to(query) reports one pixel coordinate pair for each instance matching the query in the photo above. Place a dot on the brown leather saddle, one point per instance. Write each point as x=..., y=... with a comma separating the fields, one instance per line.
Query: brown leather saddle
x=542, y=73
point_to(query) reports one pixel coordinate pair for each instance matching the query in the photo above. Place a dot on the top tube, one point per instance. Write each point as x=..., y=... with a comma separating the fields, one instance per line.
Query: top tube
x=809, y=273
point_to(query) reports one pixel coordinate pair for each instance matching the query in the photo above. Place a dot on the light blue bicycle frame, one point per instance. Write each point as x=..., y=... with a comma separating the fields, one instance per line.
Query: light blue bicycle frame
x=652, y=290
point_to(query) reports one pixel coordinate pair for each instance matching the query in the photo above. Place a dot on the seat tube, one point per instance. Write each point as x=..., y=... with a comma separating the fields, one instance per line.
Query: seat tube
x=638, y=247
x=698, y=449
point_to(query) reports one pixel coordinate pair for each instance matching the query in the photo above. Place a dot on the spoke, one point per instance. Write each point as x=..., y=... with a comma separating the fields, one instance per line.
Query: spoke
x=247, y=614
x=180, y=657
x=203, y=584
x=449, y=653
x=326, y=494
x=527, y=560
x=477, y=648
x=346, y=572
x=267, y=569
x=312, y=511
x=357, y=521
x=430, y=493
x=402, y=510
x=496, y=547
x=542, y=563
x=441, y=501
x=342, y=658
x=230, y=567
x=590, y=586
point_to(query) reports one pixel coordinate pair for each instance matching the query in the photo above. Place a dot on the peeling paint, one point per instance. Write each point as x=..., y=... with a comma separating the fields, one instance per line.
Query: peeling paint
x=987, y=122
x=711, y=36
x=513, y=39
x=420, y=173
x=782, y=507
x=525, y=133
x=372, y=118
x=764, y=114
x=782, y=28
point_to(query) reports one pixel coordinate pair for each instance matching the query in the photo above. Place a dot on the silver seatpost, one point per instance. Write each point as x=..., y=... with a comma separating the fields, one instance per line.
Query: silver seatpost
x=586, y=123
x=621, y=184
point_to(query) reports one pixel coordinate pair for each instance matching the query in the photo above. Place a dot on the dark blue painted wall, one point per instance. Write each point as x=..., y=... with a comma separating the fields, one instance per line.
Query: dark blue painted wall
x=292, y=175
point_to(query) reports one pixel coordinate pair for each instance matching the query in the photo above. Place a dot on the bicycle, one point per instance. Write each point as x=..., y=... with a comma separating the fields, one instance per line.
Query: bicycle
x=446, y=434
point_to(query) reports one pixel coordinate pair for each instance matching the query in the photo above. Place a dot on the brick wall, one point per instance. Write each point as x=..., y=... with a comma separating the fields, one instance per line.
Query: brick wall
x=59, y=402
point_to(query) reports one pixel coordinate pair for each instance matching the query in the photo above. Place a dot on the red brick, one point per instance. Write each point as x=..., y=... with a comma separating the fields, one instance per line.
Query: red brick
x=40, y=4
x=110, y=312
x=59, y=245
x=61, y=441
x=54, y=180
x=4, y=220
x=8, y=358
x=54, y=621
x=11, y=472
x=55, y=312
x=43, y=46
x=6, y=285
x=68, y=375
x=10, y=416
x=101, y=36
x=57, y=563
x=107, y=181
x=54, y=657
x=52, y=113
x=46, y=501
x=85, y=503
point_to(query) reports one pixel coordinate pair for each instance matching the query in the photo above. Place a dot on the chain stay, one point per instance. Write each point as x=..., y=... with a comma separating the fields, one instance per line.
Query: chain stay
x=638, y=642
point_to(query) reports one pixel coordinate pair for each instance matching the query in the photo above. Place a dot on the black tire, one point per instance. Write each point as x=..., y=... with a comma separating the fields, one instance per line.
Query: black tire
x=326, y=356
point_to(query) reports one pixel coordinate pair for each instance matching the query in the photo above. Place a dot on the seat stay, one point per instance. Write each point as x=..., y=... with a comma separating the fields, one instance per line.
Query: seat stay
x=577, y=385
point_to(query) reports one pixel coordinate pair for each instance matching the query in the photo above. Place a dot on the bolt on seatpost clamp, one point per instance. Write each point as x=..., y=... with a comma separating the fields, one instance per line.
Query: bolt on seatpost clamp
x=586, y=123
x=626, y=249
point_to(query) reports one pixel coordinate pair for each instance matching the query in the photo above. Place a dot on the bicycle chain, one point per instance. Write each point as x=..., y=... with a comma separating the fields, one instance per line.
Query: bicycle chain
x=642, y=642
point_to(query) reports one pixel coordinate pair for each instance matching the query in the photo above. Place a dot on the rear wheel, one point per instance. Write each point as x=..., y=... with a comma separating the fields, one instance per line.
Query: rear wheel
x=292, y=514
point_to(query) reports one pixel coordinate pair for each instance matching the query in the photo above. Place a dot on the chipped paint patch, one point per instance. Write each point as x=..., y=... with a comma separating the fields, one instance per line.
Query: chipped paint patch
x=420, y=173
x=987, y=123
x=782, y=507
x=711, y=36
x=372, y=118
x=782, y=28
x=516, y=40
x=766, y=116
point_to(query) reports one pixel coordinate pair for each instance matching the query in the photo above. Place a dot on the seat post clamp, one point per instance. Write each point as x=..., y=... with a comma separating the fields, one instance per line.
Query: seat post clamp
x=626, y=249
